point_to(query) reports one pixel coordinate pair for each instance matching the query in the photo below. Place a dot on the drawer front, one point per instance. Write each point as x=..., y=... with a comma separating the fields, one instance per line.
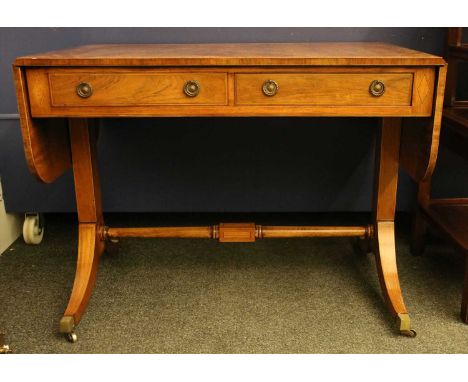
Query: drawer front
x=327, y=89
x=85, y=89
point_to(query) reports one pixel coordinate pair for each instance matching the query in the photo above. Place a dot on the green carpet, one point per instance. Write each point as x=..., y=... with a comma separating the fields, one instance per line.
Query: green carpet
x=200, y=296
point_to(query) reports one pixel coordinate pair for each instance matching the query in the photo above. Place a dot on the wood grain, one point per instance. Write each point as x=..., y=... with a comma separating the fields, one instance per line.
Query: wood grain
x=88, y=201
x=436, y=123
x=264, y=54
x=260, y=231
x=316, y=79
x=136, y=88
x=343, y=92
x=386, y=181
x=387, y=266
x=270, y=232
x=420, y=137
x=45, y=142
x=423, y=90
x=236, y=232
x=85, y=171
x=203, y=232
x=350, y=89
x=90, y=248
x=387, y=164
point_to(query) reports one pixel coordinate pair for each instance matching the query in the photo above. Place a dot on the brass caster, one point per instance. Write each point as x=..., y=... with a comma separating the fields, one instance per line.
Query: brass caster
x=5, y=349
x=71, y=337
x=405, y=325
x=408, y=333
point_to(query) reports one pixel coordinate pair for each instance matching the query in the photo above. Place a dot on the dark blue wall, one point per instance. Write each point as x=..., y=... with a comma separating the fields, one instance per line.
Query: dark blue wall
x=241, y=164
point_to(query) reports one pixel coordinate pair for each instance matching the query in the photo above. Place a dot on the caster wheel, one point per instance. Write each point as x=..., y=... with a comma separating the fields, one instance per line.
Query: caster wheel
x=33, y=229
x=408, y=333
x=72, y=337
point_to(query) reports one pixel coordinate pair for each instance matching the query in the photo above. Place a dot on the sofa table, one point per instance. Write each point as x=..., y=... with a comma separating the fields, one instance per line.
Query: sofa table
x=62, y=93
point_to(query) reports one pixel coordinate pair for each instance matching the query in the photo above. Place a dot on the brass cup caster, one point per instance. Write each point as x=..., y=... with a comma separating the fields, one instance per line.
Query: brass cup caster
x=71, y=337
x=67, y=327
x=5, y=349
x=408, y=333
x=405, y=325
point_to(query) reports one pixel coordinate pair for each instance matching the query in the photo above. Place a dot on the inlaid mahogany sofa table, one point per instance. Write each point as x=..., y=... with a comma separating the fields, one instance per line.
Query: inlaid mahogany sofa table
x=61, y=93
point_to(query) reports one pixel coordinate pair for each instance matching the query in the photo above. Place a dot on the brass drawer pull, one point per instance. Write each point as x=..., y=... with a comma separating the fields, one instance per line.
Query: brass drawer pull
x=192, y=88
x=84, y=90
x=270, y=88
x=377, y=88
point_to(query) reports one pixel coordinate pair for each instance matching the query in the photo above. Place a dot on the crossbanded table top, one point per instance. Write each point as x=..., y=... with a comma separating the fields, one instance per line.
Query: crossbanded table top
x=245, y=54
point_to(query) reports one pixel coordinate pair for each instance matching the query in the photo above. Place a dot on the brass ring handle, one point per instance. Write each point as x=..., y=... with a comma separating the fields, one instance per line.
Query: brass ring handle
x=377, y=88
x=84, y=90
x=192, y=88
x=270, y=88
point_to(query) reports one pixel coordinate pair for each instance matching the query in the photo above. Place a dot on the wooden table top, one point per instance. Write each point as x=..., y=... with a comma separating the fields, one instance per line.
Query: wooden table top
x=251, y=54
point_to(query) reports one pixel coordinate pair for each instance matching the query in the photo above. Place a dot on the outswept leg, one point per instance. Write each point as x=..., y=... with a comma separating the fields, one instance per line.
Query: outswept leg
x=90, y=248
x=388, y=274
x=386, y=180
x=91, y=242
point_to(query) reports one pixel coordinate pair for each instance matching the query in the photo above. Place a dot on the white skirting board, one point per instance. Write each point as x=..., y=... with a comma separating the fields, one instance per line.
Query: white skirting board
x=10, y=225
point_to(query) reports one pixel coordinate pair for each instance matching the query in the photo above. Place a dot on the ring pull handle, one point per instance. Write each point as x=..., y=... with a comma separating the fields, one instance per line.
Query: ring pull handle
x=84, y=90
x=377, y=88
x=191, y=88
x=270, y=88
